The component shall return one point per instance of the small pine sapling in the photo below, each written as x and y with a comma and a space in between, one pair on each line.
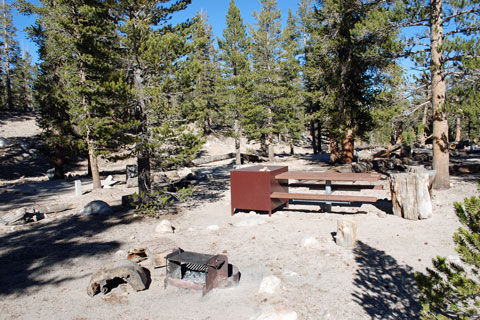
451, 290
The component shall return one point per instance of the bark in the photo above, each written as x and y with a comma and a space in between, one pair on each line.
458, 133
314, 139
238, 155
440, 125
411, 196
263, 145
97, 184
59, 161
347, 147
271, 154
319, 138
292, 150
333, 149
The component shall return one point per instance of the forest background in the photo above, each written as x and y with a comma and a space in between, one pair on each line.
122, 78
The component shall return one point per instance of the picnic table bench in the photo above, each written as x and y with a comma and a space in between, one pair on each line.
266, 188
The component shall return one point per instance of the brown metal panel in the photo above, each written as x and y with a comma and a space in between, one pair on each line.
251, 188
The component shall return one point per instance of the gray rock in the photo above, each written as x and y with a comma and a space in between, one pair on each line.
96, 207
4, 142
15, 217
51, 173
129, 271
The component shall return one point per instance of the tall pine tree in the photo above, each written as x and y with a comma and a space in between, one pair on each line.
236, 85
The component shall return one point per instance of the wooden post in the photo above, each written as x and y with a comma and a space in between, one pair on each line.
410, 195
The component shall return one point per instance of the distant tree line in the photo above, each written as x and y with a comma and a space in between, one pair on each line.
117, 75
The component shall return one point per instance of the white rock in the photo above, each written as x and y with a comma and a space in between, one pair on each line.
278, 315
250, 222
132, 237
121, 254
269, 285
184, 172
213, 227
310, 242
109, 178
164, 227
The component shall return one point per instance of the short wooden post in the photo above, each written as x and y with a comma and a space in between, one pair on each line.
346, 233
78, 188
410, 195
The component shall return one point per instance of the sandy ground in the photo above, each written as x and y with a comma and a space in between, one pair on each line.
46, 265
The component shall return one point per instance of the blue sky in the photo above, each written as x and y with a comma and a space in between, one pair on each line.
216, 11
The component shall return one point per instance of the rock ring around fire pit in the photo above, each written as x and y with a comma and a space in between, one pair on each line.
198, 271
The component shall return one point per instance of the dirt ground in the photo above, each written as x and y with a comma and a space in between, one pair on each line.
46, 265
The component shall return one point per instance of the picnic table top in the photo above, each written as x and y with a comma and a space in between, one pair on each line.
330, 176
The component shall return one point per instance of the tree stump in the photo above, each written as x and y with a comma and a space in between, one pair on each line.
410, 195
421, 169
346, 233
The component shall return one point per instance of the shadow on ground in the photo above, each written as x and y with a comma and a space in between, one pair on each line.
31, 257
215, 181
385, 289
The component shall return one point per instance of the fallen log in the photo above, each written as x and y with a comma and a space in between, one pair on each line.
387, 152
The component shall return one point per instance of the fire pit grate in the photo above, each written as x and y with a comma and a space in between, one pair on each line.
200, 271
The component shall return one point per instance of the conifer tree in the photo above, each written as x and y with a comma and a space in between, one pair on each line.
447, 37
353, 42
10, 52
154, 52
451, 290
266, 51
290, 116
23, 79
202, 107
236, 86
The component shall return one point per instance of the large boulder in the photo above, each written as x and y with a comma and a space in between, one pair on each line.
96, 207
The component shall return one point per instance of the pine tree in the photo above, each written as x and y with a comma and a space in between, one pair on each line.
24, 76
236, 86
266, 51
353, 43
154, 52
447, 37
202, 107
451, 290
10, 53
289, 121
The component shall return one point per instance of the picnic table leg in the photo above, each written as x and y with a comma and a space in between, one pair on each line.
328, 190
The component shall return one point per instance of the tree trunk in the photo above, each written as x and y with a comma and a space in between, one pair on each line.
97, 184
347, 147
144, 182
238, 155
410, 195
333, 149
292, 150
59, 161
441, 156
263, 145
319, 138
271, 155
458, 133
423, 135
312, 133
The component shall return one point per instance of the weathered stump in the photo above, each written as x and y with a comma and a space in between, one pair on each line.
421, 169
346, 233
410, 195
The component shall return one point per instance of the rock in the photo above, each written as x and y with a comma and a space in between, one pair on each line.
164, 227
310, 242
381, 214
15, 217
96, 207
185, 172
51, 173
278, 313
269, 285
4, 142
213, 227
104, 279
250, 222
121, 254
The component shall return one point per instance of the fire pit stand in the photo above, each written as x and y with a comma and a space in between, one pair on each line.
200, 271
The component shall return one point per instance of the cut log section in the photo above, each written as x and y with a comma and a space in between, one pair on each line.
410, 195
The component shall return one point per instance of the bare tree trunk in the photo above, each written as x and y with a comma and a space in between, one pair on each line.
312, 133
292, 150
319, 138
238, 155
263, 145
59, 161
97, 184
423, 135
333, 149
441, 157
143, 154
271, 154
347, 147
458, 133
